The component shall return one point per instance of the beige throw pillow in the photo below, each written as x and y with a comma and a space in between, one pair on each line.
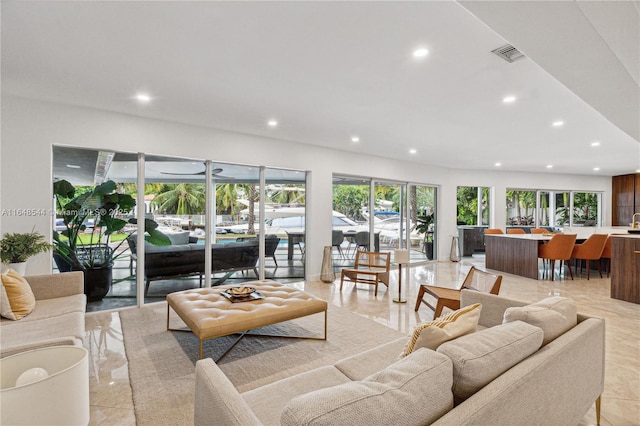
16, 298
554, 315
432, 334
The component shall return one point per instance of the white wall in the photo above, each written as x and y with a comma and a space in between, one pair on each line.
30, 128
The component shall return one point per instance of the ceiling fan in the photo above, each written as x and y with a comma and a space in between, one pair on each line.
214, 173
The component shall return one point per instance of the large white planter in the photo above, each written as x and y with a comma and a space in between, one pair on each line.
20, 268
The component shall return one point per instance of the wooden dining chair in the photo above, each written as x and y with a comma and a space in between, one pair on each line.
476, 279
370, 268
518, 231
493, 231
590, 250
559, 247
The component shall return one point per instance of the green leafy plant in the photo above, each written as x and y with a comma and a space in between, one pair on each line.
16, 248
424, 226
105, 209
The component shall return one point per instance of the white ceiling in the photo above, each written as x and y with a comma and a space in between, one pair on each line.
330, 70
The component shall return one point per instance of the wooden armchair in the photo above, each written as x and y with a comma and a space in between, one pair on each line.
476, 279
370, 268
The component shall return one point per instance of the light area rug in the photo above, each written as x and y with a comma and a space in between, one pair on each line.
162, 363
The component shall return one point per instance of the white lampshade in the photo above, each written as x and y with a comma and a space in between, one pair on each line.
55, 389
401, 256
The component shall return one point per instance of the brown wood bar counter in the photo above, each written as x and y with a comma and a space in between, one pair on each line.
625, 268
514, 253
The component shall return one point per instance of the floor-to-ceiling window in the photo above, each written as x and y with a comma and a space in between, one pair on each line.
176, 198
350, 218
285, 223
387, 221
424, 218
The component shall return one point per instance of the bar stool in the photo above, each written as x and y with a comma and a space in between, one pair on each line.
590, 250
606, 254
559, 247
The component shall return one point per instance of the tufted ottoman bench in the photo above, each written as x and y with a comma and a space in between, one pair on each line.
208, 314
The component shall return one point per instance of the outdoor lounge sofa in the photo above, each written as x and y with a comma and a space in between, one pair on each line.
554, 385
58, 318
187, 258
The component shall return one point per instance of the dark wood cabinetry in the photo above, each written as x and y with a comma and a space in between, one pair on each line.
471, 239
625, 268
625, 198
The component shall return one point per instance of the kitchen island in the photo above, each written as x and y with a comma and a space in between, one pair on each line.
514, 253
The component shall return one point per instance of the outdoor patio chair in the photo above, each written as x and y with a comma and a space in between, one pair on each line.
476, 279
370, 268
337, 238
362, 240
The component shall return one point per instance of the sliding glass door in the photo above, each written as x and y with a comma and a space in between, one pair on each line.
237, 203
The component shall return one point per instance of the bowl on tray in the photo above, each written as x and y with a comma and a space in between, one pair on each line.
240, 291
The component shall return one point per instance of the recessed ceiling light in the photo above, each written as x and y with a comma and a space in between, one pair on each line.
420, 52
595, 169
412, 151
549, 166
558, 123
73, 166
355, 139
272, 123
143, 98
498, 164
596, 143
509, 99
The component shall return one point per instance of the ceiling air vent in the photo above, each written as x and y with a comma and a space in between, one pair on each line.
508, 53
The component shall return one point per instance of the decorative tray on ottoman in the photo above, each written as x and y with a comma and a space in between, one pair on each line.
241, 294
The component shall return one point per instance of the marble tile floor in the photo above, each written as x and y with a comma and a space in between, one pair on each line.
111, 401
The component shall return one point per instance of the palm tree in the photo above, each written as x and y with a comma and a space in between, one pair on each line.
413, 200
251, 230
226, 196
182, 199
290, 194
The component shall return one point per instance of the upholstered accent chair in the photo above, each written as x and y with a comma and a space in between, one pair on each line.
539, 231
559, 247
590, 250
493, 231
370, 268
606, 255
516, 231
476, 279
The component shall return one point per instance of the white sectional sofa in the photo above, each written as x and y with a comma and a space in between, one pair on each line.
554, 385
58, 318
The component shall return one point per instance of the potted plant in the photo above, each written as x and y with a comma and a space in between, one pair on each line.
16, 248
425, 226
104, 209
